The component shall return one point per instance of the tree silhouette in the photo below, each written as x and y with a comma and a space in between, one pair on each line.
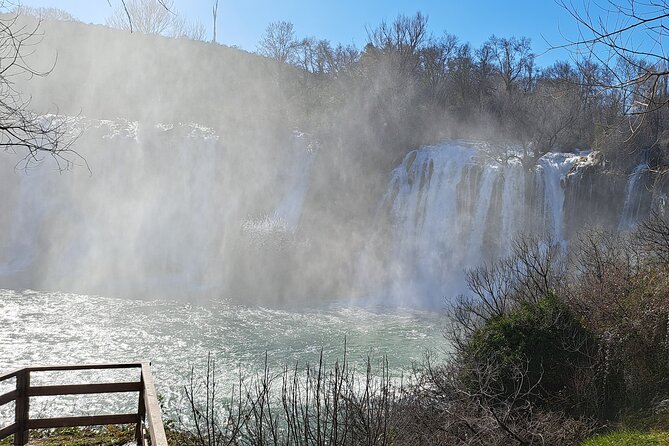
627, 38
22, 131
278, 42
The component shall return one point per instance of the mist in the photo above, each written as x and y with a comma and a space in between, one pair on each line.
201, 171
470, 243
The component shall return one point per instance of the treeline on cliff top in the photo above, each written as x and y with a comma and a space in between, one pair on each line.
406, 87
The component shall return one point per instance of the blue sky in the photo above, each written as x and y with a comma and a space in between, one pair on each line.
242, 22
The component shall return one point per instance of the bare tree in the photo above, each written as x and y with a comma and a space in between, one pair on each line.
279, 42
321, 404
182, 28
214, 12
555, 111
628, 38
653, 234
44, 13
23, 132
464, 404
154, 17
403, 38
144, 16
436, 59
534, 269
513, 59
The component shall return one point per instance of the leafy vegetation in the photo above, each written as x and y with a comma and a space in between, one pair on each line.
546, 337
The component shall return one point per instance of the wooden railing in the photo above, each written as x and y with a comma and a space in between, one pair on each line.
148, 418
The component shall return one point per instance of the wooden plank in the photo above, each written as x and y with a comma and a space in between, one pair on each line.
56, 368
96, 420
85, 389
149, 407
154, 417
141, 412
22, 408
7, 431
10, 374
8, 397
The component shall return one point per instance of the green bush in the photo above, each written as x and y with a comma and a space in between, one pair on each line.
537, 346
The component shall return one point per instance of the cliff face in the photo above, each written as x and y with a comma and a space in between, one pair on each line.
595, 197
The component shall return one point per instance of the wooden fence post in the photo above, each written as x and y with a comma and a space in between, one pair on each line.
154, 416
141, 413
147, 420
22, 408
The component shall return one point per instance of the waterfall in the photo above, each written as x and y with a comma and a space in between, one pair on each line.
296, 183
553, 168
276, 229
632, 204
453, 209
513, 203
167, 210
151, 214
480, 221
21, 246
171, 210
423, 201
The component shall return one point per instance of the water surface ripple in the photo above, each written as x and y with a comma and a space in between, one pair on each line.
63, 328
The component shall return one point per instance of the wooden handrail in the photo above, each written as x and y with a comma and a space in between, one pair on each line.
83, 389
148, 416
153, 413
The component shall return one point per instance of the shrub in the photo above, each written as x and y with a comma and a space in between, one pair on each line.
621, 294
543, 340
333, 404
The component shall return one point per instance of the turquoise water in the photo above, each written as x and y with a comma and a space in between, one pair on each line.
62, 328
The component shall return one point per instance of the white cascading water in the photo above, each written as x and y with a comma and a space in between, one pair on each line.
142, 219
553, 169
476, 236
296, 183
514, 181
423, 196
452, 210
20, 248
157, 214
632, 204
130, 220
276, 228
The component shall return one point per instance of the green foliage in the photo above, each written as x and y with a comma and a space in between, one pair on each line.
630, 438
543, 340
